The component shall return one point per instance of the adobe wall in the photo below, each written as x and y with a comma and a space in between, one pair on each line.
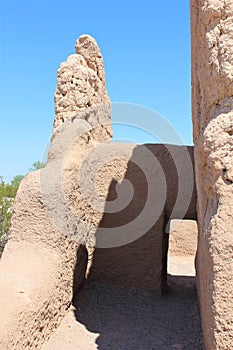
42, 266
55, 215
115, 197
120, 199
212, 91
142, 260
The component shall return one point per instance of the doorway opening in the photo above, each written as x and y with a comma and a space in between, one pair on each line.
183, 235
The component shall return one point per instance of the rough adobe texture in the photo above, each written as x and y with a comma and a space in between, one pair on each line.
42, 267
212, 84
54, 214
55, 210
183, 238
81, 81
36, 272
141, 262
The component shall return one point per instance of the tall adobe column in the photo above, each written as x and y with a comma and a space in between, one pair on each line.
82, 104
43, 265
212, 98
80, 82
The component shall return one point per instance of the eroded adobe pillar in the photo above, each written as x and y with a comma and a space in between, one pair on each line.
212, 95
43, 264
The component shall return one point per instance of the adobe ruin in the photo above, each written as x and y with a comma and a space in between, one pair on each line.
54, 221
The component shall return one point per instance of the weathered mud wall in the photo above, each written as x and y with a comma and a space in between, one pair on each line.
36, 272
212, 91
115, 197
41, 261
140, 223
183, 238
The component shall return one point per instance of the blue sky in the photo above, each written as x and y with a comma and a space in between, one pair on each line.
146, 50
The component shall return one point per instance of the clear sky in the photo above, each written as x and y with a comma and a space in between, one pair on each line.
146, 50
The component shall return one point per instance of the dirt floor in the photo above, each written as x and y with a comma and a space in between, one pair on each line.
107, 317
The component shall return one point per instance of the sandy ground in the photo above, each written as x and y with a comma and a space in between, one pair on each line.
113, 318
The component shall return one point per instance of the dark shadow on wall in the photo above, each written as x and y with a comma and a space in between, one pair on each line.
134, 318
153, 171
80, 268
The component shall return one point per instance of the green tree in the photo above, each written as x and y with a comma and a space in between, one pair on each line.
12, 188
36, 166
5, 215
7, 195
